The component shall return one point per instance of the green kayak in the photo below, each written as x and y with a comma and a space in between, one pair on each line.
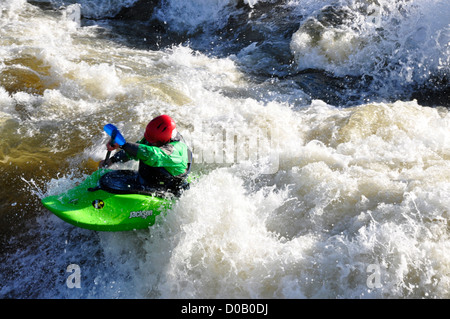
110, 200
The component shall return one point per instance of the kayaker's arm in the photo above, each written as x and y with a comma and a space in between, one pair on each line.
131, 149
120, 156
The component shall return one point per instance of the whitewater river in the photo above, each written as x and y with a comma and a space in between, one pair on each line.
320, 132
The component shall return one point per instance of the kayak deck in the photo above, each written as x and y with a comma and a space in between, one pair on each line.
86, 206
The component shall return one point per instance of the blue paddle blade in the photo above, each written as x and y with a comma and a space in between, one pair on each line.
114, 132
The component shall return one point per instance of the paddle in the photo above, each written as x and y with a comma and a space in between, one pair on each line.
116, 137
113, 137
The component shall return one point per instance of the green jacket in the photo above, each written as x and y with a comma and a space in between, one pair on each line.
174, 156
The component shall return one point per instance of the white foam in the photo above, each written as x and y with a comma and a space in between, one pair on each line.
96, 9
354, 189
397, 42
190, 16
6, 105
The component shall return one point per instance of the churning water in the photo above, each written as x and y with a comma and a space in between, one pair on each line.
320, 131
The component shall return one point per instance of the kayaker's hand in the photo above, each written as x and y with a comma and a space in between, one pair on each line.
110, 147
103, 164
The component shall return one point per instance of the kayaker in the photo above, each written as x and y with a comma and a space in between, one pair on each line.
164, 158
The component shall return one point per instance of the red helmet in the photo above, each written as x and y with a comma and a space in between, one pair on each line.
160, 130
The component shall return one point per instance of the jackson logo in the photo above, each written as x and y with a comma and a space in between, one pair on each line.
144, 214
98, 203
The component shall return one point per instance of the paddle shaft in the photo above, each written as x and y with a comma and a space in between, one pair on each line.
113, 136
